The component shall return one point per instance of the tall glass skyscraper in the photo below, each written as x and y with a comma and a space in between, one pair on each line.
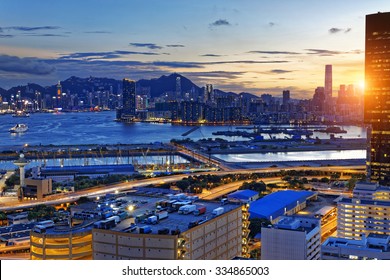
128, 98
377, 96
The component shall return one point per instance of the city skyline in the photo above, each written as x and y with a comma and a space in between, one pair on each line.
248, 46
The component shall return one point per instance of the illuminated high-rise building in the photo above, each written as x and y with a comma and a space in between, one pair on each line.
328, 81
208, 93
129, 104
286, 98
328, 89
377, 96
178, 87
59, 89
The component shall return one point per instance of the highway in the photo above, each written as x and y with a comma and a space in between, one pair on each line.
102, 190
231, 187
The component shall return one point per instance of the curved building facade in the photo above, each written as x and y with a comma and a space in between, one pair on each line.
57, 244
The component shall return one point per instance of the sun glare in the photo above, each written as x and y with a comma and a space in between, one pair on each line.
361, 84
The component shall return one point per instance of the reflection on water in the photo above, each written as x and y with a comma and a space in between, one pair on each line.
293, 156
163, 160
100, 128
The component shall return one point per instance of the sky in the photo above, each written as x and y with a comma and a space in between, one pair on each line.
256, 46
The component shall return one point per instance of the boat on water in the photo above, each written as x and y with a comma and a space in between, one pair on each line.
21, 114
331, 129
19, 128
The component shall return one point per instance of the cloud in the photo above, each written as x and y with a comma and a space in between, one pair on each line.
220, 22
273, 52
27, 28
132, 52
175, 46
244, 62
211, 55
279, 71
215, 74
104, 59
103, 55
24, 65
271, 24
322, 52
146, 45
45, 35
98, 32
177, 64
335, 30
181, 64
6, 36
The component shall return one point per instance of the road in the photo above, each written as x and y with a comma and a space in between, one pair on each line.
228, 188
101, 190
328, 228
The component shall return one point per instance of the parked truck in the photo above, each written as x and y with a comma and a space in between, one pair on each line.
200, 210
145, 229
152, 220
117, 219
187, 209
162, 215
218, 211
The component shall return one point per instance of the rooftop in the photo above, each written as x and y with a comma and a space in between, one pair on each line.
380, 243
274, 204
364, 201
243, 194
89, 168
297, 223
15, 231
145, 205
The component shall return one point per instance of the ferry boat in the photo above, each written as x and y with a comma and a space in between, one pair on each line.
21, 114
19, 128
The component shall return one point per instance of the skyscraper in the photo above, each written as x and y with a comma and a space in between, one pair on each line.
328, 81
178, 87
208, 93
286, 98
377, 96
59, 89
329, 106
128, 97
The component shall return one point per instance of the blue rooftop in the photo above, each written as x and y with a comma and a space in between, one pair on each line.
274, 203
113, 168
243, 194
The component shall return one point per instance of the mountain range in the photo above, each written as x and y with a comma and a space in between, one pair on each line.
81, 86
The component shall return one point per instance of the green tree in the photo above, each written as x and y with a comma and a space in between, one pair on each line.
256, 224
12, 180
351, 183
324, 180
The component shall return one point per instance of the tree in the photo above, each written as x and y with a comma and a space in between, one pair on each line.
335, 176
183, 184
351, 183
254, 186
256, 224
12, 180
41, 212
324, 180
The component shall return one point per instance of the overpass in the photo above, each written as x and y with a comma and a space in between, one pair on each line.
120, 187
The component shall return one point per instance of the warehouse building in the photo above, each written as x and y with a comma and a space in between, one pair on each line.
243, 196
286, 202
175, 227
69, 173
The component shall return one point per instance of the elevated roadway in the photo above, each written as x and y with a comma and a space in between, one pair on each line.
120, 187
